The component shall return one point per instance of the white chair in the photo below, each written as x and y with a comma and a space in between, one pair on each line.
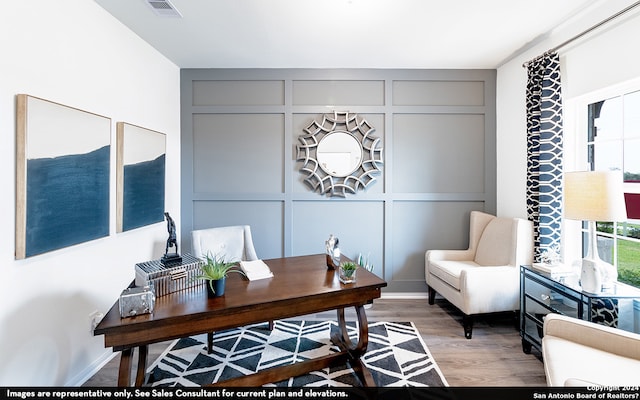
232, 243
485, 277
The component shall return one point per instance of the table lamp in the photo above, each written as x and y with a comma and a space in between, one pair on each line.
595, 196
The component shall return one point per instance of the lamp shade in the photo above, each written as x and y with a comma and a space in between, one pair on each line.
594, 196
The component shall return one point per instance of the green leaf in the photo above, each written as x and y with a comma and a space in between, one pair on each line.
215, 268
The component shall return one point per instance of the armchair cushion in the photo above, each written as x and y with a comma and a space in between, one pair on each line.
495, 245
450, 271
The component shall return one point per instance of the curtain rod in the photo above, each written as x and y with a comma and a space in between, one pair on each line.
581, 34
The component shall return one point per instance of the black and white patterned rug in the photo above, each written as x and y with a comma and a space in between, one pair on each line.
396, 355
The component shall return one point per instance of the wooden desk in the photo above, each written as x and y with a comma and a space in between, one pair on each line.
301, 285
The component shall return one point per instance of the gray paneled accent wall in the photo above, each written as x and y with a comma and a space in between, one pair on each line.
240, 128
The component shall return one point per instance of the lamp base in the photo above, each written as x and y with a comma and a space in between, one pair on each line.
597, 275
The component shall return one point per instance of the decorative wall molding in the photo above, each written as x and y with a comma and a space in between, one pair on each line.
241, 158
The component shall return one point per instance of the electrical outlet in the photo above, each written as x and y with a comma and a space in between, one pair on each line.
95, 318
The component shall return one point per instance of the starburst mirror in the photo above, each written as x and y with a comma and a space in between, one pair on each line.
339, 154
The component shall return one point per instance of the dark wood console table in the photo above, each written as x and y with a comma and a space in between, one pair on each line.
301, 285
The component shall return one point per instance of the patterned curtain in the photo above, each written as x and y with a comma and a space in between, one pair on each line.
544, 152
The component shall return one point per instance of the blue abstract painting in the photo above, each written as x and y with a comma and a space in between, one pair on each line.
67, 201
63, 176
143, 193
141, 176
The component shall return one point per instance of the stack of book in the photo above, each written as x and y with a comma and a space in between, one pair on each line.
554, 271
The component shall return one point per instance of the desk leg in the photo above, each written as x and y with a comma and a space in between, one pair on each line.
355, 352
124, 373
142, 365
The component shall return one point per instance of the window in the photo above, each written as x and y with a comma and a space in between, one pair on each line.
613, 142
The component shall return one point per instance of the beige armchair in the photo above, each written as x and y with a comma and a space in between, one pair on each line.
485, 277
582, 353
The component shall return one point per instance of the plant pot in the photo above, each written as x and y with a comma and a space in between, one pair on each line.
218, 287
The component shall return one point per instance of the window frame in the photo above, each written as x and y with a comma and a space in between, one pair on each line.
585, 155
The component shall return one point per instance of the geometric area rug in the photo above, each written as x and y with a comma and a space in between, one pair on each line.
396, 356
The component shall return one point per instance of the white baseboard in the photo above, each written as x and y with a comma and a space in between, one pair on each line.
405, 296
91, 370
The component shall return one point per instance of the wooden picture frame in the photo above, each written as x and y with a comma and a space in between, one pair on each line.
62, 176
140, 176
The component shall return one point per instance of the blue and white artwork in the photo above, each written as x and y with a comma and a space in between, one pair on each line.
63, 176
141, 176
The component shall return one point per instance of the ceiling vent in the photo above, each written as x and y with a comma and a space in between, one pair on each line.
163, 8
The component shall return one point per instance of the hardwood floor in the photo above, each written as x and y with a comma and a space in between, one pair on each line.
493, 357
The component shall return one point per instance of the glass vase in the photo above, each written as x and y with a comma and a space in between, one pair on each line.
347, 275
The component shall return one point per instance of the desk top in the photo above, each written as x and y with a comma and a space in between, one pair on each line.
300, 285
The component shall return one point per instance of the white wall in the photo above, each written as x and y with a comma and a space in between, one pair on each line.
74, 53
602, 58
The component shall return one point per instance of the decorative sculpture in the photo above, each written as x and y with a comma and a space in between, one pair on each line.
333, 252
171, 258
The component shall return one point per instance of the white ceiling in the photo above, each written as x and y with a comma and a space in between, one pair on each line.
426, 34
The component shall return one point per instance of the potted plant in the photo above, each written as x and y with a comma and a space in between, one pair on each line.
348, 272
215, 271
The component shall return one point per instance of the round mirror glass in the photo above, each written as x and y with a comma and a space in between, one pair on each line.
339, 153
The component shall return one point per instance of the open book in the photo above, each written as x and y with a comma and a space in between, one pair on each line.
256, 270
